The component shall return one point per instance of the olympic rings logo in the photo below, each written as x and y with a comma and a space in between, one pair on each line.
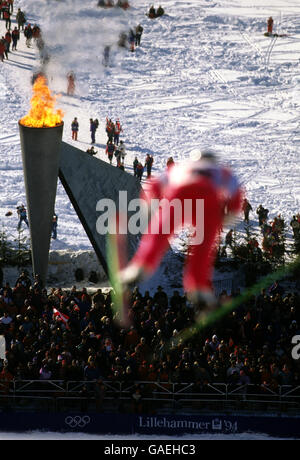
77, 421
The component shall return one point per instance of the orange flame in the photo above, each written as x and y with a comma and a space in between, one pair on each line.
42, 113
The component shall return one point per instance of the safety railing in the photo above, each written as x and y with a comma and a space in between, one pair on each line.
167, 394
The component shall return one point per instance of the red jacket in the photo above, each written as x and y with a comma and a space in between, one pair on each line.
118, 128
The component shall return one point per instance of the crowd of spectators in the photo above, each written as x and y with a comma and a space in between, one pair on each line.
72, 335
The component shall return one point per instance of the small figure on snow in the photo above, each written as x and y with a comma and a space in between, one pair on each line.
122, 151
270, 25
75, 129
138, 34
262, 215
117, 131
22, 213
246, 208
15, 35
160, 11
139, 171
152, 12
54, 226
110, 148
135, 163
71, 83
93, 128
148, 164
92, 151
229, 239
110, 129
170, 162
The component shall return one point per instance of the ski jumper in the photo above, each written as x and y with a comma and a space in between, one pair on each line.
221, 195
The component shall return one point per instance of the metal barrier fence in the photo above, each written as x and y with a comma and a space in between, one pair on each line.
57, 395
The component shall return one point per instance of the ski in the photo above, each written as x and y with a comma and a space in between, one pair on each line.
117, 260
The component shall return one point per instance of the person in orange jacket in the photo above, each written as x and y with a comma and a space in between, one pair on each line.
117, 131
110, 129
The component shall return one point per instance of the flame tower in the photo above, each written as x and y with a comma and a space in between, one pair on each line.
41, 157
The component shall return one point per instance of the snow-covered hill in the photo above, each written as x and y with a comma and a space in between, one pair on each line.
204, 74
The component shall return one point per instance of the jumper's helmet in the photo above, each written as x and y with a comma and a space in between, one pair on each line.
203, 154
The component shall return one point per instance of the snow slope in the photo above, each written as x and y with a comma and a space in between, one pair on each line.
204, 74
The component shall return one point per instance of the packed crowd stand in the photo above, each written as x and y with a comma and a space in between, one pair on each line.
74, 336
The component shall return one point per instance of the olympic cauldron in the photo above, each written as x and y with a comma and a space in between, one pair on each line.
41, 136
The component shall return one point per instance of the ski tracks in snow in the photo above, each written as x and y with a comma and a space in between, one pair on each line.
198, 78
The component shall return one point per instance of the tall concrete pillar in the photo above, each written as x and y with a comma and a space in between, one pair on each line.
41, 158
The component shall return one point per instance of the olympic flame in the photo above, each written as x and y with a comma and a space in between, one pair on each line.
42, 113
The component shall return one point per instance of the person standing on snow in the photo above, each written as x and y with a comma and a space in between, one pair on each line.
15, 36
118, 154
148, 164
93, 129
110, 129
170, 162
71, 83
28, 35
160, 11
106, 53
54, 226
110, 148
139, 171
135, 163
2, 50
138, 34
117, 132
75, 129
5, 47
8, 39
11, 5
122, 149
21, 19
270, 25
22, 213
229, 239
204, 183
246, 208
152, 12
262, 215
6, 17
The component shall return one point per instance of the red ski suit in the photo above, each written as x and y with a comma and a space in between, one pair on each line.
221, 194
